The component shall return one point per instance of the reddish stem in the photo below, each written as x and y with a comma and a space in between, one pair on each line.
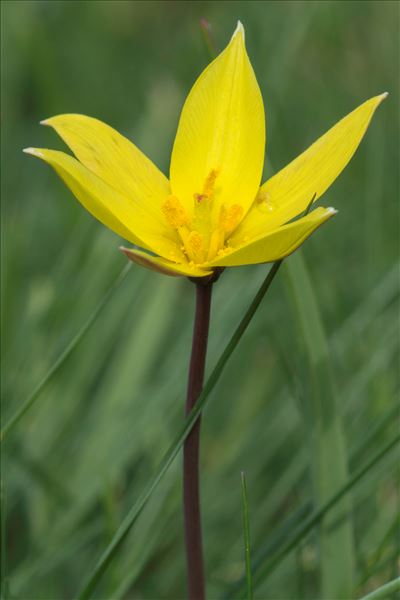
191, 495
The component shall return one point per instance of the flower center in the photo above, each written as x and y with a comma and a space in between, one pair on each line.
205, 235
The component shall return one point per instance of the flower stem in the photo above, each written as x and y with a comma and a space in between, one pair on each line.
191, 495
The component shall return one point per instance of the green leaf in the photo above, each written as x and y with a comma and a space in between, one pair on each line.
325, 432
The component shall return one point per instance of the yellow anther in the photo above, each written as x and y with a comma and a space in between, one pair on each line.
208, 189
195, 242
230, 218
174, 212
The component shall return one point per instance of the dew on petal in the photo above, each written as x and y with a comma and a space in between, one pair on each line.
264, 202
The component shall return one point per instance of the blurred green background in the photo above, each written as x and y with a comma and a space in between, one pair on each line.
77, 461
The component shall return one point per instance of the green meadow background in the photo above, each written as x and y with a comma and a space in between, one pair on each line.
310, 395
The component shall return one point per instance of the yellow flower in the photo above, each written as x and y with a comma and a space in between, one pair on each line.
212, 211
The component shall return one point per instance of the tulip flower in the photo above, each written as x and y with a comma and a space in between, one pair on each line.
211, 213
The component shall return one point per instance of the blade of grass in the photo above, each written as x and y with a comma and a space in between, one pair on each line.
316, 517
63, 356
384, 591
327, 448
279, 537
382, 295
327, 451
246, 535
173, 450
374, 560
376, 430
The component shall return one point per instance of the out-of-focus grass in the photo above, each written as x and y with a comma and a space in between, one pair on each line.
86, 449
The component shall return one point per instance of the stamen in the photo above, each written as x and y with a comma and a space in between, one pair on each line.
205, 234
230, 218
216, 242
195, 241
174, 212
193, 245
209, 184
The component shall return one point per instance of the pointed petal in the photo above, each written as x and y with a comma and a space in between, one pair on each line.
106, 204
155, 263
116, 160
221, 131
287, 194
277, 244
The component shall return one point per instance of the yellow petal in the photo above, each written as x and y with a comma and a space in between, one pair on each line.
115, 159
221, 133
154, 263
107, 204
277, 244
288, 193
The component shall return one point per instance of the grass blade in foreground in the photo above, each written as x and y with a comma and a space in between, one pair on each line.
63, 356
246, 533
282, 534
384, 591
327, 451
304, 528
177, 444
